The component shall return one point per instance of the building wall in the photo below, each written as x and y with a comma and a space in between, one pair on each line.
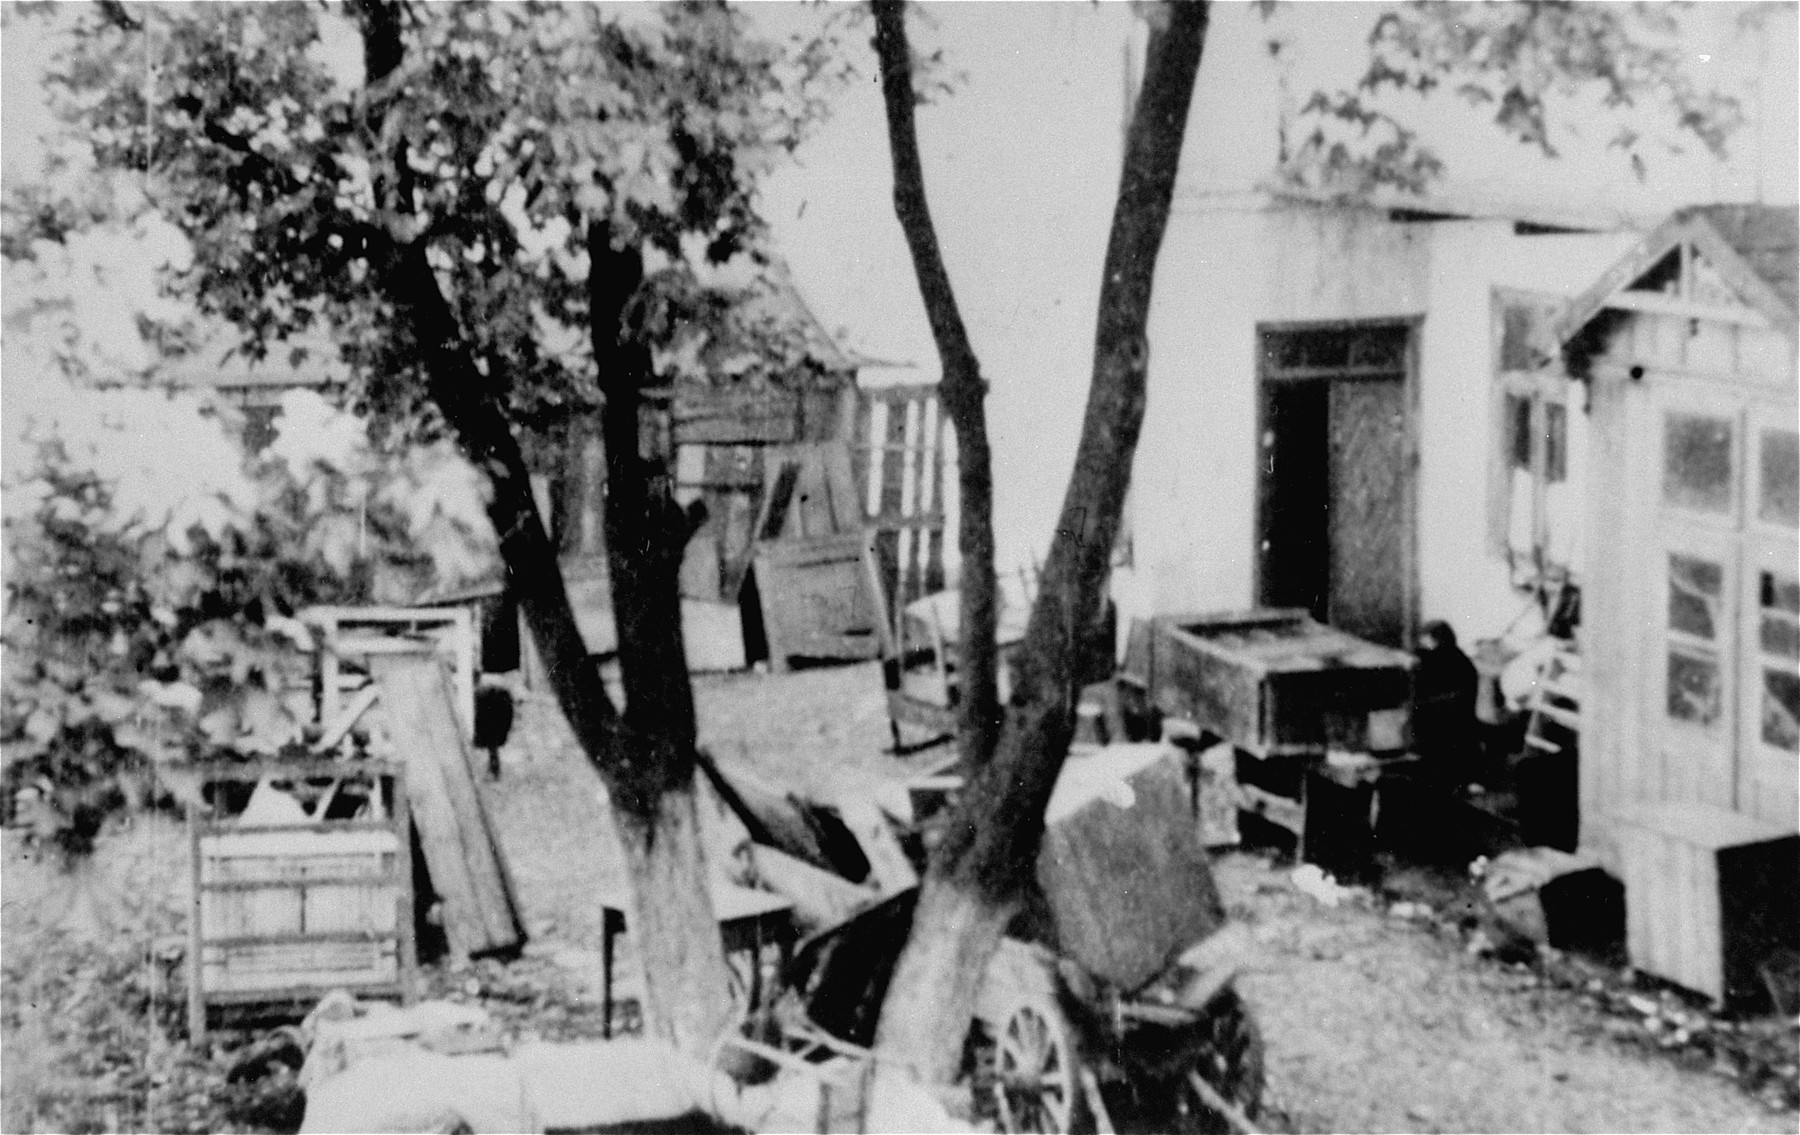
1231, 266
1630, 755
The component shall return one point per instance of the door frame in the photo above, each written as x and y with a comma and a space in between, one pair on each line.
1409, 474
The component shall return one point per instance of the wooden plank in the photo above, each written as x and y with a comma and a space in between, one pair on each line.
840, 488
196, 987
816, 600
346, 720
464, 861
814, 512
405, 908
735, 417
305, 883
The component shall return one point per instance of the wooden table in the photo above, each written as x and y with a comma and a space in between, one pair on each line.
749, 922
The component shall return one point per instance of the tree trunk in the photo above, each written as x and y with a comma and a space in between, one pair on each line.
653, 784
964, 394
645, 758
980, 871
686, 984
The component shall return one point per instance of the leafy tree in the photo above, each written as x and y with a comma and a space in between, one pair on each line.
1523, 58
511, 217
150, 588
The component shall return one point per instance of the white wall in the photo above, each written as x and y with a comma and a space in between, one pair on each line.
1460, 578
1224, 270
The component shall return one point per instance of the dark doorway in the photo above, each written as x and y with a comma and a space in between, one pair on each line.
1335, 525
1296, 545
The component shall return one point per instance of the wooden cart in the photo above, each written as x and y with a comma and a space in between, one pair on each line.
1112, 993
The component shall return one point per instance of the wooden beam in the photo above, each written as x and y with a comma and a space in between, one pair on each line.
1654, 303
465, 862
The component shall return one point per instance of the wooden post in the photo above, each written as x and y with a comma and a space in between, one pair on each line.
328, 669
196, 989
406, 901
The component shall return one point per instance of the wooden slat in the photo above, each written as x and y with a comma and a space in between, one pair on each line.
893, 521
312, 768
734, 417
382, 879
210, 828
346, 720
464, 861
302, 938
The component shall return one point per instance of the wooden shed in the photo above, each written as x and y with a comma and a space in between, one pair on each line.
1691, 622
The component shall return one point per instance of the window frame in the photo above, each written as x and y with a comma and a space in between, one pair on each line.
1542, 387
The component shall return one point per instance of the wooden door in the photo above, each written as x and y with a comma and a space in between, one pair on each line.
1690, 658
1335, 508
1369, 510
1722, 649
1768, 751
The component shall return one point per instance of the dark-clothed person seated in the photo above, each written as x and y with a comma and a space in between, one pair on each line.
1443, 717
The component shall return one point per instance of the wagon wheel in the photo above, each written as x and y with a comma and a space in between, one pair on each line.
1035, 1071
1230, 1059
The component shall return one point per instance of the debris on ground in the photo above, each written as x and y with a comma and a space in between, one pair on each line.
1310, 880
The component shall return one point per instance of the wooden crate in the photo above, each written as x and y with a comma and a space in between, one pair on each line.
1709, 896
1276, 683
287, 910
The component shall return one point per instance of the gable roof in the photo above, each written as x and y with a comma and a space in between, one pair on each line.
1767, 237
1754, 248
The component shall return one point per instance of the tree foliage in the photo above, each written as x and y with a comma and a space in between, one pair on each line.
502, 133
506, 217
150, 588
1524, 65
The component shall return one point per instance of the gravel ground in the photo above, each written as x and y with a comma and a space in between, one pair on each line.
1378, 1024
1372, 1022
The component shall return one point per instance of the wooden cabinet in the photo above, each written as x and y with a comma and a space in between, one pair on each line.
1276, 683
1709, 894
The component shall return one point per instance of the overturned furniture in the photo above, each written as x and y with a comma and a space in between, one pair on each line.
1112, 992
1318, 716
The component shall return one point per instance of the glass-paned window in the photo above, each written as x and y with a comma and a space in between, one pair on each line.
1778, 502
1695, 587
1693, 687
1778, 604
1515, 338
1781, 709
1697, 462
1518, 419
1556, 443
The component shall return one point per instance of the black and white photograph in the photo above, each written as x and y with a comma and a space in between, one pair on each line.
794, 566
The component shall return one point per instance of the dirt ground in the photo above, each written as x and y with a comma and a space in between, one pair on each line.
1373, 1022
1380, 1024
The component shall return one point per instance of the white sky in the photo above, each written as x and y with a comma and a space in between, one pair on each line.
1021, 164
